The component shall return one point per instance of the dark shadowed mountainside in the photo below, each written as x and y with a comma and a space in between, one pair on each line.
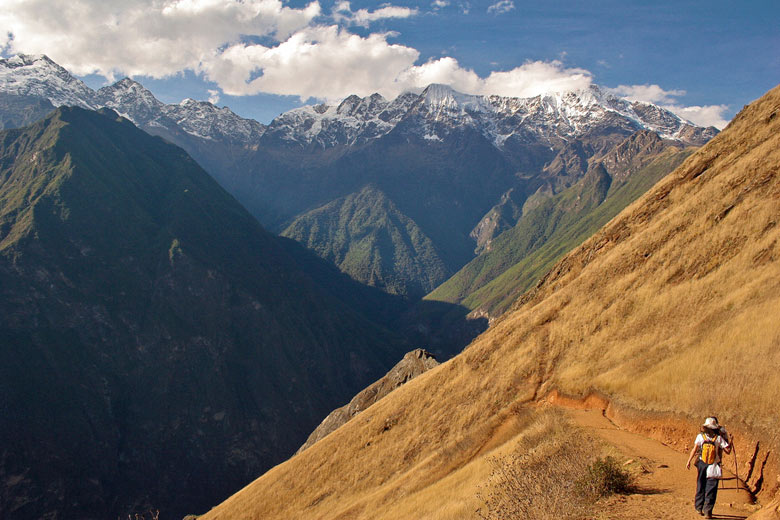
17, 111
158, 348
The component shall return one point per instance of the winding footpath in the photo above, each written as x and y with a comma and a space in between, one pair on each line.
666, 488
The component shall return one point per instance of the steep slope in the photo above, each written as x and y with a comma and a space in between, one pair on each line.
501, 217
158, 348
670, 308
368, 238
553, 226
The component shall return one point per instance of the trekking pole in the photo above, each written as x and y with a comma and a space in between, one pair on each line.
736, 467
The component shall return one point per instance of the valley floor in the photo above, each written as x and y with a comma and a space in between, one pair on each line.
666, 488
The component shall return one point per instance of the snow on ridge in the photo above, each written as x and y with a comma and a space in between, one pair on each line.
37, 75
354, 119
208, 121
432, 112
440, 109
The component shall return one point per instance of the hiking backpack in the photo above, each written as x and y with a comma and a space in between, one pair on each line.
709, 450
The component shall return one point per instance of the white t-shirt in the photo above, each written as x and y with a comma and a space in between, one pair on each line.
720, 442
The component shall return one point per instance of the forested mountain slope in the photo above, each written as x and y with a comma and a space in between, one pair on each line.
158, 348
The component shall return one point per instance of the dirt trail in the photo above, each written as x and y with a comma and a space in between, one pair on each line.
666, 487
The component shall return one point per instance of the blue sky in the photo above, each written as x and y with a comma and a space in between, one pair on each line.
705, 60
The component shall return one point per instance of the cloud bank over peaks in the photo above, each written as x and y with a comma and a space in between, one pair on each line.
331, 63
247, 47
528, 80
709, 115
323, 62
142, 37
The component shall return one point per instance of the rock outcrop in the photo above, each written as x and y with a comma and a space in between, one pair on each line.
412, 365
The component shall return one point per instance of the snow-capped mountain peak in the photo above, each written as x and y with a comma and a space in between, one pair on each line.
131, 99
443, 96
440, 110
37, 75
203, 119
31, 60
352, 121
364, 108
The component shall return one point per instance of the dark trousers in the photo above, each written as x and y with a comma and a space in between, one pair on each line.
706, 489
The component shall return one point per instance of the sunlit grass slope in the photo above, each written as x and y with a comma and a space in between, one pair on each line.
672, 306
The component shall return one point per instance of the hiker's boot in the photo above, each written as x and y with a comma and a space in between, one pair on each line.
708, 514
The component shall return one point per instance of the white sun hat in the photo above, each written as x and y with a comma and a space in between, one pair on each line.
711, 423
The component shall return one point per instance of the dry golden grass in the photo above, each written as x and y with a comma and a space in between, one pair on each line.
673, 306
545, 476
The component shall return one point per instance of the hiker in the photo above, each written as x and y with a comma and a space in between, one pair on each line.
709, 443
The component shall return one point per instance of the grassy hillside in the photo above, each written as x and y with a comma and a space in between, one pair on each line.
150, 326
368, 238
519, 257
670, 308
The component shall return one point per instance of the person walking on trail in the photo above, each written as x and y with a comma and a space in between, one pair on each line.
709, 444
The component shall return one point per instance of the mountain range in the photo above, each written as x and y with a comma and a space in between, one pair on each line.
205, 348
457, 161
666, 314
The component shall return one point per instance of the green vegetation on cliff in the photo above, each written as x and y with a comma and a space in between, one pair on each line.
367, 237
519, 257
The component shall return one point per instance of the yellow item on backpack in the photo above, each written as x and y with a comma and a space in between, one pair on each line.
709, 450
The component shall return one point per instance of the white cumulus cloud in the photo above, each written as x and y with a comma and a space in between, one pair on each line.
320, 62
647, 93
342, 12
709, 115
528, 80
501, 7
141, 37
331, 63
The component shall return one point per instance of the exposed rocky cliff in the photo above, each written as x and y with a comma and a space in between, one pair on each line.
412, 365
